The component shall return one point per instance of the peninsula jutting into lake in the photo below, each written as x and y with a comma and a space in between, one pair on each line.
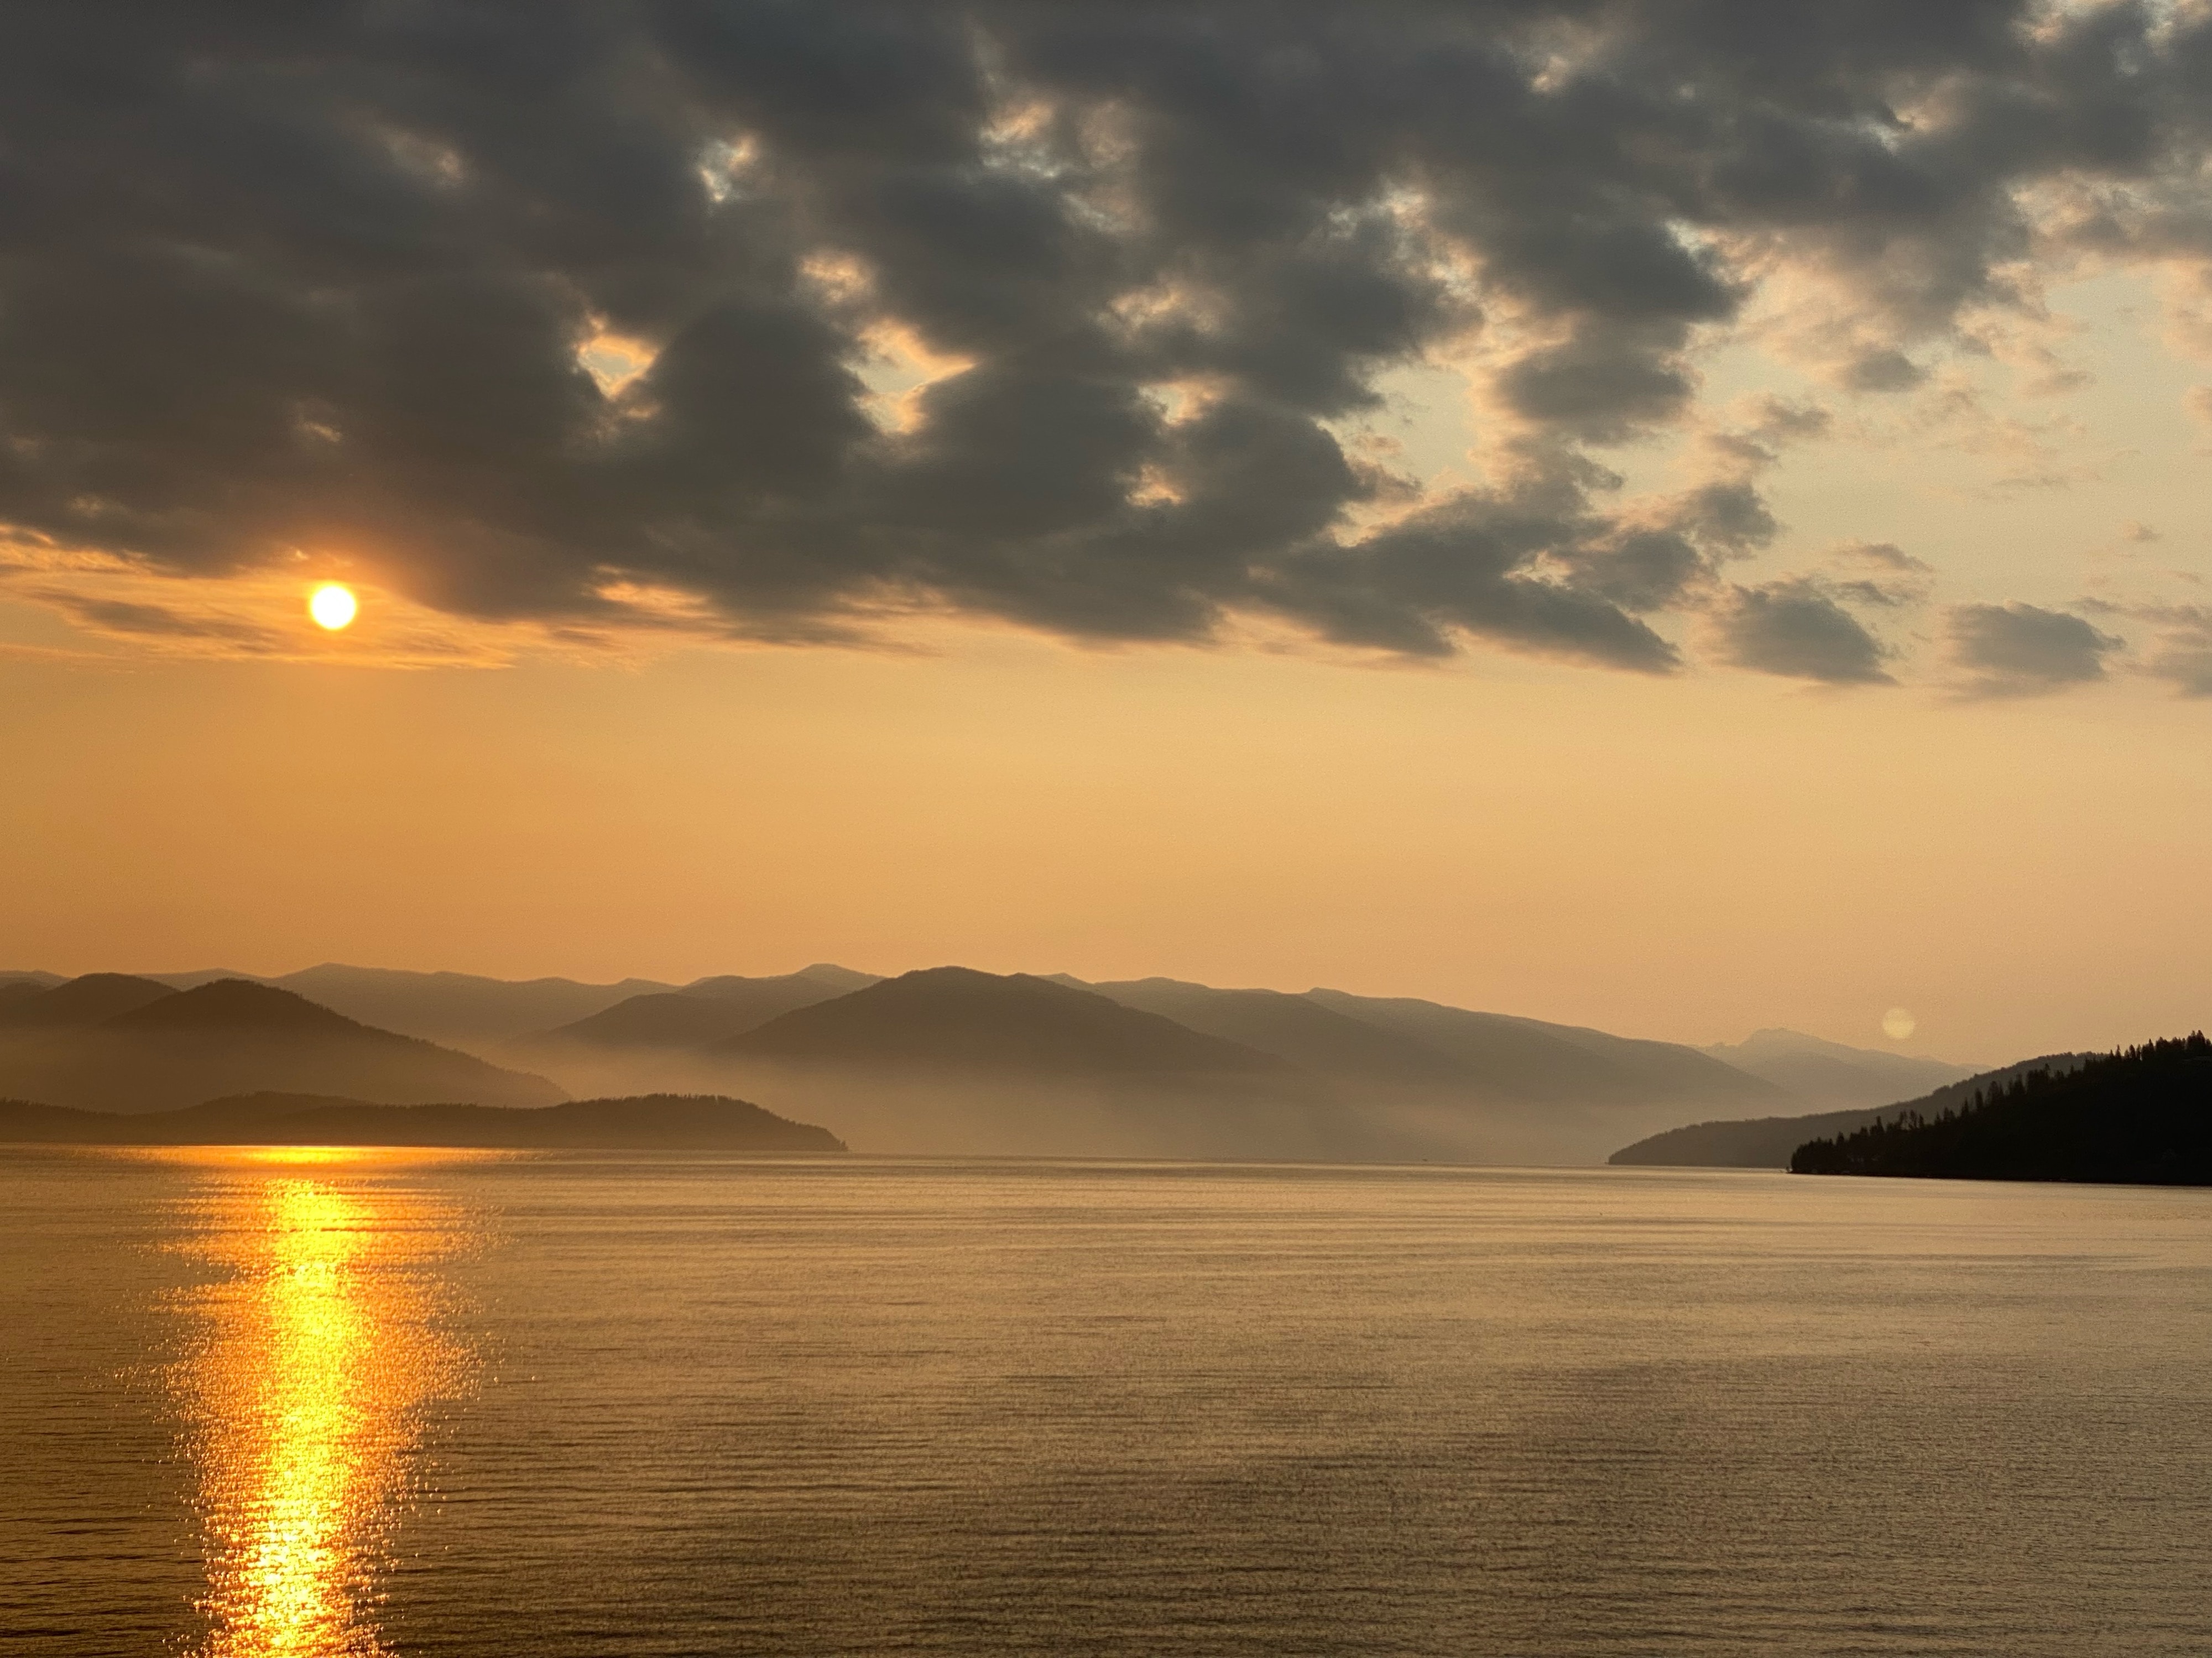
2142, 1116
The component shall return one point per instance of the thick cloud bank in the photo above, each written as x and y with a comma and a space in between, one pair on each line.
776, 318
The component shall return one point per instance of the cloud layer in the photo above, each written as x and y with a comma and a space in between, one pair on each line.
792, 316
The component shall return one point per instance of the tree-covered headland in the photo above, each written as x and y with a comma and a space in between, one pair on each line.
2142, 1117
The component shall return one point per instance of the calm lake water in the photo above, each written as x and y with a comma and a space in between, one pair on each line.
306, 1403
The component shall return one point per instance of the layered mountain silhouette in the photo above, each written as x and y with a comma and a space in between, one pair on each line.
79, 1002
2142, 1116
1833, 1076
112, 1042
954, 1059
1324, 1073
651, 1122
1768, 1142
455, 1009
1531, 1060
958, 1019
704, 1012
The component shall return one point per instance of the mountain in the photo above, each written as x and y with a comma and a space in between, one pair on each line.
652, 1122
707, 1011
1832, 1076
109, 1042
2142, 1116
1768, 1142
80, 1002
1533, 1060
461, 1008
835, 979
1296, 1028
957, 1019
951, 1060
481, 1014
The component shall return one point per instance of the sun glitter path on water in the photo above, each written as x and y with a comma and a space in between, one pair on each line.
321, 1356
332, 607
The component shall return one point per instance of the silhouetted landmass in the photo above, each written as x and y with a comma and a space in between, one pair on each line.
837, 980
110, 1042
700, 1015
82, 1002
2142, 1116
1833, 1076
1747, 1143
1563, 1064
1294, 1028
957, 1019
1768, 1142
450, 1008
946, 1059
478, 1013
646, 1122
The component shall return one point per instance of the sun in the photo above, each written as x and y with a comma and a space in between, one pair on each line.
1899, 1023
332, 607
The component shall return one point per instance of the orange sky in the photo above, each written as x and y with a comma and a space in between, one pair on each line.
1687, 858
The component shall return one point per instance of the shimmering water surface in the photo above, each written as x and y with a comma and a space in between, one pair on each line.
306, 1403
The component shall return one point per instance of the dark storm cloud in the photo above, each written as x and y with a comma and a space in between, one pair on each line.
1796, 630
2020, 649
324, 277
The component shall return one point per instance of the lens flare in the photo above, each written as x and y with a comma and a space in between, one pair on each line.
332, 607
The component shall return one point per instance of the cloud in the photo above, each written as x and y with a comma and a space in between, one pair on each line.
1795, 629
2183, 657
2184, 661
129, 619
1879, 574
342, 279
2020, 649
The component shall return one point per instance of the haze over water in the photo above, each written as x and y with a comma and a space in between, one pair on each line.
359, 1402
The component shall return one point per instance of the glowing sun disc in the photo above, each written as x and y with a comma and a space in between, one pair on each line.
332, 607
1899, 1023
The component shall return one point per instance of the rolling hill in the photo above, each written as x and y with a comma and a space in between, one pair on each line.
110, 1042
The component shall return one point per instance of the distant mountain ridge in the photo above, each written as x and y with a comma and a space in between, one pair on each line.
449, 1008
706, 1011
110, 1042
1054, 1064
959, 1018
1834, 1076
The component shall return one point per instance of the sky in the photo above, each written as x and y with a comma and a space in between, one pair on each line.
1676, 515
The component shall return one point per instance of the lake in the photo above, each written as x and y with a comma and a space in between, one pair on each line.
364, 1401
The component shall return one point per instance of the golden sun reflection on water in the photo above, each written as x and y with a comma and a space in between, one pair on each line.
322, 1344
